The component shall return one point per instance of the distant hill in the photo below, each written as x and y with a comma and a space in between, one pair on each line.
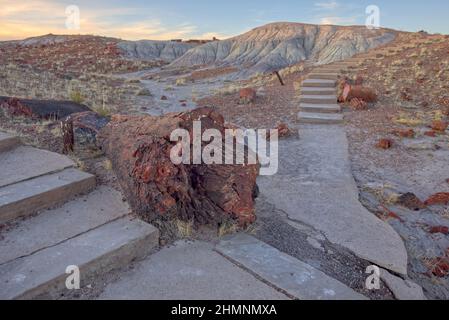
154, 50
267, 48
278, 45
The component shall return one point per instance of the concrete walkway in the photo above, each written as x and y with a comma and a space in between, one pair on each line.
315, 186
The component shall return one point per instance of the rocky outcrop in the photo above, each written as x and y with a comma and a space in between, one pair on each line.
154, 50
278, 45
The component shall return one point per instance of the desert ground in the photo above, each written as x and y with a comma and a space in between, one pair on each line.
371, 188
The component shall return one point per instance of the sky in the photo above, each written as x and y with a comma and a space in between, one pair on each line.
204, 19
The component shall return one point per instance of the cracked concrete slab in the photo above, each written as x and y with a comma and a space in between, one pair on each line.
402, 289
291, 275
314, 185
189, 271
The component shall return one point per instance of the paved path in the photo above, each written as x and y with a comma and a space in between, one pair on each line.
315, 183
315, 186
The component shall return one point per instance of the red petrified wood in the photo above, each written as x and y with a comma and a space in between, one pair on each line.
139, 148
247, 95
441, 198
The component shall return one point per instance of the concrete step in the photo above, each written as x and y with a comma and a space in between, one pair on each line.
318, 99
319, 83
111, 246
350, 62
24, 163
7, 142
318, 91
54, 226
320, 118
30, 196
320, 108
329, 69
284, 272
328, 76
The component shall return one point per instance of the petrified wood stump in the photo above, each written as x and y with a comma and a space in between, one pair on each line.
139, 148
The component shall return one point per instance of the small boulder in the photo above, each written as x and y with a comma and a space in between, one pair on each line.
410, 201
384, 144
247, 95
439, 125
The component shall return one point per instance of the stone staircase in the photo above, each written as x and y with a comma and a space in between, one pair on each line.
53, 216
318, 100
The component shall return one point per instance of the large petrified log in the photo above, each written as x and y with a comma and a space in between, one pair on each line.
40, 109
139, 148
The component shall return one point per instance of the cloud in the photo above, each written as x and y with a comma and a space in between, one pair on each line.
38, 17
331, 5
338, 20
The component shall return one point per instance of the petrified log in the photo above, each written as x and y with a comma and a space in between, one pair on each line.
139, 148
41, 109
363, 93
82, 128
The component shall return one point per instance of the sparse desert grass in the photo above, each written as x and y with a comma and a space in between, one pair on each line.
290, 70
144, 92
132, 80
228, 90
184, 228
409, 121
445, 213
103, 111
81, 164
76, 97
227, 227
107, 164
181, 81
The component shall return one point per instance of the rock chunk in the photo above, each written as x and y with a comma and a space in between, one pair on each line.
247, 95
411, 201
